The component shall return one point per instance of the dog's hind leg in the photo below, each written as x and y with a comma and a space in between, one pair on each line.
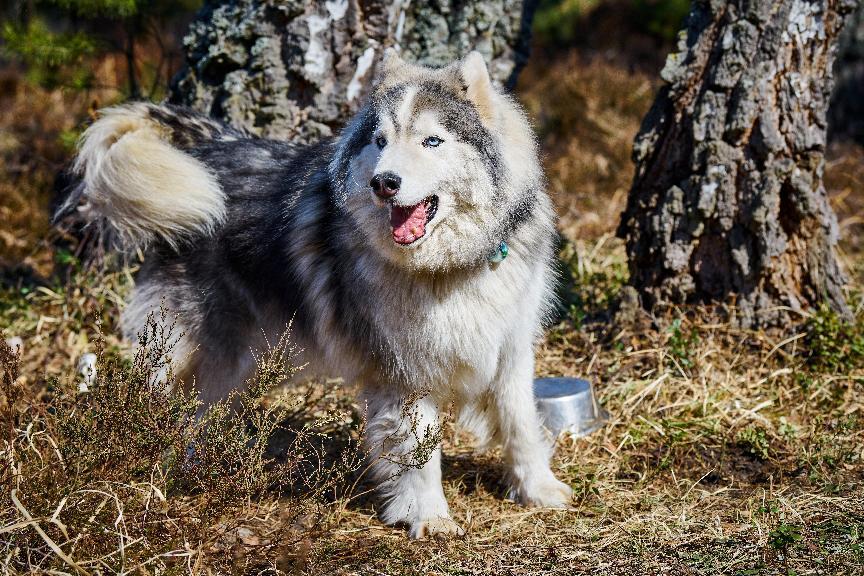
518, 426
216, 372
223, 359
210, 352
404, 449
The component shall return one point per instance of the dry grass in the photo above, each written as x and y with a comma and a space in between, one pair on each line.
728, 452
131, 475
31, 151
38, 129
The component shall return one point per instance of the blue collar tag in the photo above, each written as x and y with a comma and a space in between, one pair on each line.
500, 254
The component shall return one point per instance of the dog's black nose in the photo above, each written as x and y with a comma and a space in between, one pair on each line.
386, 184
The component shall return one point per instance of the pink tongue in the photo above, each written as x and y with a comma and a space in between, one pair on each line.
408, 222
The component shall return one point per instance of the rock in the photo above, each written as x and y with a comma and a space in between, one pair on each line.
16, 344
87, 370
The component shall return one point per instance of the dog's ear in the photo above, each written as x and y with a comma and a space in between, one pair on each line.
392, 70
478, 85
391, 63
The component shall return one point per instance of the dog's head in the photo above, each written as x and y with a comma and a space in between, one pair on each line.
438, 167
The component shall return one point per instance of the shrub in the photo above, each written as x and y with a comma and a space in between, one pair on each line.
834, 344
134, 475
681, 345
754, 440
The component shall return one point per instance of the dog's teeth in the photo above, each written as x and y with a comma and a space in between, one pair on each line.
414, 231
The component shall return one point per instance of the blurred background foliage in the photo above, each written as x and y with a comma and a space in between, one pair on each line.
560, 21
60, 60
60, 43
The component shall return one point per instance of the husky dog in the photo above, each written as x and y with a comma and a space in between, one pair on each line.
384, 245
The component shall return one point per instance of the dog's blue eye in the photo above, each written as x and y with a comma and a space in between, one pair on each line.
381, 141
432, 142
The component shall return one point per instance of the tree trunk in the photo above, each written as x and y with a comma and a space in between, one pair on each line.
727, 204
297, 69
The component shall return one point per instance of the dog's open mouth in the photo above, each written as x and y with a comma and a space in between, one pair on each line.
409, 222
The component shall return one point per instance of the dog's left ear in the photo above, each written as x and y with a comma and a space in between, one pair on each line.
478, 85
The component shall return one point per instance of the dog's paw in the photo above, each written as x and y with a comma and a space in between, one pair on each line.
546, 493
435, 528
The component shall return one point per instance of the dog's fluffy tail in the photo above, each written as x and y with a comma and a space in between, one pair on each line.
136, 172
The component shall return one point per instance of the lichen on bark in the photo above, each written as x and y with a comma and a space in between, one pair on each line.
297, 69
727, 204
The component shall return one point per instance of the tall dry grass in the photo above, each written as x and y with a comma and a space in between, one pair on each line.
128, 473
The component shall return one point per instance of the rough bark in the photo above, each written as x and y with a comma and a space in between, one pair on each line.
297, 69
727, 204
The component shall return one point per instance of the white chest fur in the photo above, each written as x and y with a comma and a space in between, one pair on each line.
450, 330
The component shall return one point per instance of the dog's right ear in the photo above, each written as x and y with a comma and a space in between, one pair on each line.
478, 84
391, 63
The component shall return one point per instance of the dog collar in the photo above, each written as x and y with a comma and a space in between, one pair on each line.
500, 254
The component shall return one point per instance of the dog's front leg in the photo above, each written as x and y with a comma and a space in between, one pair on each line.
404, 448
532, 482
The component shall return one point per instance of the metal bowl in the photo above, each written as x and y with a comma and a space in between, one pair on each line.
568, 405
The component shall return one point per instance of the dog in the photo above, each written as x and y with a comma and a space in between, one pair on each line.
414, 254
